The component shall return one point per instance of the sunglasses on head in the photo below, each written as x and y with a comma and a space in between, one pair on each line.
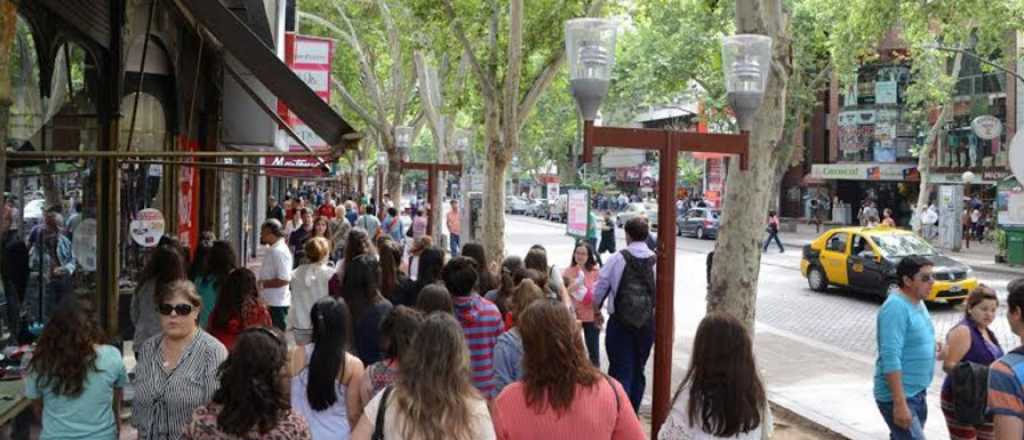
179, 309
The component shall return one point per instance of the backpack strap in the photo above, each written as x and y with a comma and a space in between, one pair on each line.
378, 427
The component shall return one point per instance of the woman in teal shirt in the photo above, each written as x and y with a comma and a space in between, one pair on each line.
74, 382
220, 261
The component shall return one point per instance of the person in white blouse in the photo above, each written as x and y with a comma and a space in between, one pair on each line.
309, 284
723, 378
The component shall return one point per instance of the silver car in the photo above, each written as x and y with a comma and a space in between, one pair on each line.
638, 209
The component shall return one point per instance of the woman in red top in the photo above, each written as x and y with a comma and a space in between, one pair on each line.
561, 395
238, 308
582, 276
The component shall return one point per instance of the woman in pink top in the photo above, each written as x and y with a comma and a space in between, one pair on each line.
582, 276
561, 395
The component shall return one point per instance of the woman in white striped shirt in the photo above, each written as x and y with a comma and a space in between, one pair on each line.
177, 369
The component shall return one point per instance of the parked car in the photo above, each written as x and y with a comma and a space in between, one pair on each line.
515, 205
638, 209
699, 222
544, 209
534, 207
864, 260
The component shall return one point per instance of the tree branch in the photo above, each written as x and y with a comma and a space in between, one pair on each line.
514, 63
395, 49
371, 85
486, 81
359, 109
540, 84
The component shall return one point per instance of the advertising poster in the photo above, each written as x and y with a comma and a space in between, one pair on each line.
148, 227
310, 59
578, 211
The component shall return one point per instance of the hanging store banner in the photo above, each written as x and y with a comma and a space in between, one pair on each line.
885, 92
310, 59
578, 211
865, 171
188, 200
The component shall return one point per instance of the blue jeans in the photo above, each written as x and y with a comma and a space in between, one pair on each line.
454, 243
591, 337
628, 349
918, 414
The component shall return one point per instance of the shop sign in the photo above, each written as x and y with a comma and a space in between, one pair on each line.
957, 178
552, 190
865, 171
83, 245
1010, 206
885, 92
310, 59
578, 201
987, 127
148, 227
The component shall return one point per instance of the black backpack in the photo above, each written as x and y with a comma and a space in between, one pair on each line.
634, 301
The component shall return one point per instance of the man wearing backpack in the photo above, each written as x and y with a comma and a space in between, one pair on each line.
627, 283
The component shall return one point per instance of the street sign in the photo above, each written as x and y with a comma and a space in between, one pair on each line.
577, 211
148, 227
987, 127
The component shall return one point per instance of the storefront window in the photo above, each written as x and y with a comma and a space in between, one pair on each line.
53, 245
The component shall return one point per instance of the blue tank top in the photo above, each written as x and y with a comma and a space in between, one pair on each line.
331, 423
982, 352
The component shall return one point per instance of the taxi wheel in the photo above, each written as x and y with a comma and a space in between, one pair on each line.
816, 279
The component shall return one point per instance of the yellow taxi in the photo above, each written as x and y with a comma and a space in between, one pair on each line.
864, 260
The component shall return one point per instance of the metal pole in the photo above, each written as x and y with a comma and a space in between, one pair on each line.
664, 316
142, 72
432, 200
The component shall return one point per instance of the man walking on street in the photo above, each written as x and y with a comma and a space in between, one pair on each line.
1006, 375
276, 272
275, 211
907, 351
369, 222
627, 282
454, 228
592, 234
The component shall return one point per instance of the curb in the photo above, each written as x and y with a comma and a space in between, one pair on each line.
780, 411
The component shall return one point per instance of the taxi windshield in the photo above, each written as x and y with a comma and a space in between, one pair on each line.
902, 245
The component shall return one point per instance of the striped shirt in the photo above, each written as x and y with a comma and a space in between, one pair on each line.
1005, 393
164, 400
481, 324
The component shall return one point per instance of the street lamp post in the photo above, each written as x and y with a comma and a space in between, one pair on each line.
590, 47
382, 164
403, 140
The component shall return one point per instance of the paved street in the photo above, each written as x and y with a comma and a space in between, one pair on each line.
803, 324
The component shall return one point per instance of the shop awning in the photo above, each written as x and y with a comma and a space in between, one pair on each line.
275, 75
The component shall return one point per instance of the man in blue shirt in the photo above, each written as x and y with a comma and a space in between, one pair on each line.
906, 351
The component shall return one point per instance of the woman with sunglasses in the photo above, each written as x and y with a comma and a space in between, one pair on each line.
238, 307
252, 401
177, 368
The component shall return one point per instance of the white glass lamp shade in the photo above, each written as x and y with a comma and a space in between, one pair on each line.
590, 49
746, 60
403, 137
967, 177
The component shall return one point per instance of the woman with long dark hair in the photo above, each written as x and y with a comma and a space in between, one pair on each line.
508, 351
431, 261
397, 331
252, 400
487, 280
358, 243
391, 277
561, 394
721, 395
361, 292
324, 377
220, 260
433, 397
582, 273
164, 267
238, 307
74, 381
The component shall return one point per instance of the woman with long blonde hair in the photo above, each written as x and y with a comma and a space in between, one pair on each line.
433, 397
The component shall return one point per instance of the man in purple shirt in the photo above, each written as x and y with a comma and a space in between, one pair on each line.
628, 346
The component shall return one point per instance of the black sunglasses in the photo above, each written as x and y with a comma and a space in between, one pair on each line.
179, 309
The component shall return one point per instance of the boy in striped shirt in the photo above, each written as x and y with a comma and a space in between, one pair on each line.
480, 319
1006, 375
